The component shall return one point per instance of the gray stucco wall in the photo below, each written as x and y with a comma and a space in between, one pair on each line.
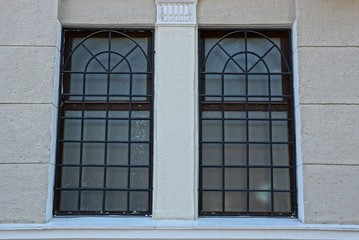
326, 49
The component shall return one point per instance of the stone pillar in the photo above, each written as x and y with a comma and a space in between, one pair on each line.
175, 131
27, 69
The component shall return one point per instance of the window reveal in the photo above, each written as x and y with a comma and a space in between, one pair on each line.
247, 164
104, 149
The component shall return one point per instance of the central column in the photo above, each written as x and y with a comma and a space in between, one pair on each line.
175, 130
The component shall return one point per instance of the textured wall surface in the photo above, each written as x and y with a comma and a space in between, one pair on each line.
327, 47
328, 68
246, 12
175, 123
107, 13
27, 66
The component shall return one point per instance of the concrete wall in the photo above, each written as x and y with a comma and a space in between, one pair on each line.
27, 67
326, 47
246, 13
107, 13
328, 64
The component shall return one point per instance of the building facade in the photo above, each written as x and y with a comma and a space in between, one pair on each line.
274, 82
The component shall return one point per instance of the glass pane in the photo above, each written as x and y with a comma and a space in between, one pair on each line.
140, 130
234, 64
139, 86
279, 115
116, 177
118, 130
211, 154
118, 114
280, 154
235, 130
259, 115
235, 154
235, 114
212, 114
135, 59
94, 130
120, 85
261, 46
95, 84
140, 114
139, 201
279, 131
71, 153
282, 202
281, 179
116, 201
258, 85
221, 52
258, 131
260, 202
211, 178
259, 154
257, 65
72, 127
70, 177
118, 62
211, 130
211, 201
234, 85
91, 200
83, 56
235, 178
75, 85
68, 201
236, 201
93, 153
92, 177
117, 153
213, 86
260, 179
140, 154
276, 87
139, 178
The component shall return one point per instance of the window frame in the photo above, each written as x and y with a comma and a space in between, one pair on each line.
287, 105
65, 104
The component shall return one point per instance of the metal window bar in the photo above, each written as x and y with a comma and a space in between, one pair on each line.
271, 200
90, 195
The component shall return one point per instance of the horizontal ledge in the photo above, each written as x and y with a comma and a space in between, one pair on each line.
170, 24
28, 45
328, 46
241, 25
204, 228
327, 104
205, 223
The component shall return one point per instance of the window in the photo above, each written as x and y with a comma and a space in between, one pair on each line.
104, 147
247, 159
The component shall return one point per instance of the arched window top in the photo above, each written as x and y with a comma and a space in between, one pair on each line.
244, 51
106, 51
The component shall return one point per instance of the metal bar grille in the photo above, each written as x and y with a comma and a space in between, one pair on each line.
246, 135
104, 147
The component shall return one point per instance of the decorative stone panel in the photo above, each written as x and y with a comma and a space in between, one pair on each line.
176, 12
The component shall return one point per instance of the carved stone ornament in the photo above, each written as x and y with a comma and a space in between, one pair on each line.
176, 12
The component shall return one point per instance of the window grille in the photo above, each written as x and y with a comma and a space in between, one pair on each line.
247, 158
104, 147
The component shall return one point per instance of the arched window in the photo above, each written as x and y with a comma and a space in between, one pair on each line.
104, 148
247, 159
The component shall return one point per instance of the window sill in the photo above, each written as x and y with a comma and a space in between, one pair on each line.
203, 228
